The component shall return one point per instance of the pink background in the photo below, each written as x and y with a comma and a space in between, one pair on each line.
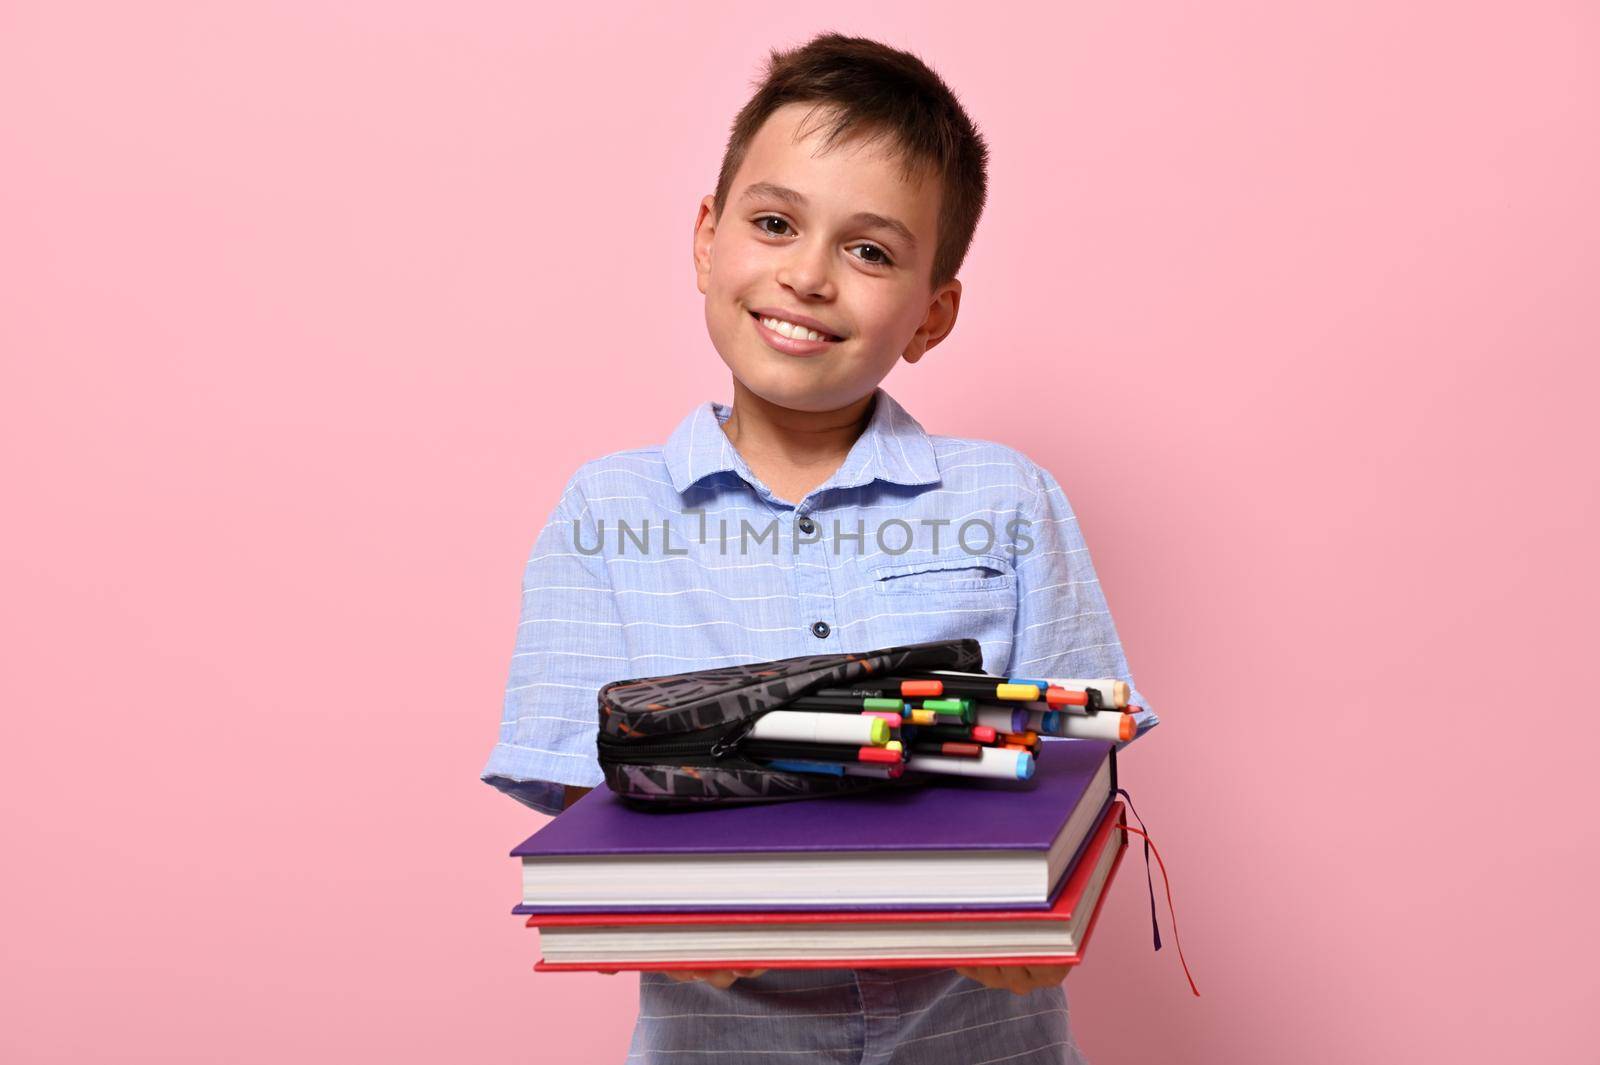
308, 310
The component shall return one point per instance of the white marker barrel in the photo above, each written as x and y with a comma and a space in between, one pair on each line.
1113, 693
991, 762
1105, 725
804, 727
1001, 720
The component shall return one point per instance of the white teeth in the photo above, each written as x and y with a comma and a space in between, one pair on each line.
789, 329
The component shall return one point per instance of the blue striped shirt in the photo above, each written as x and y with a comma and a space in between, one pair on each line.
677, 557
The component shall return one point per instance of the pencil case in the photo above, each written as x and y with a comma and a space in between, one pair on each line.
674, 740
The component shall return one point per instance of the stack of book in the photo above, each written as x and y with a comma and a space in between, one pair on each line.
962, 872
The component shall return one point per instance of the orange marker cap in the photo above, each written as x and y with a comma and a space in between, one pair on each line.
919, 689
1128, 728
1059, 697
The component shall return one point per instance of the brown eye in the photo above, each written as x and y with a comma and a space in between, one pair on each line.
761, 224
884, 261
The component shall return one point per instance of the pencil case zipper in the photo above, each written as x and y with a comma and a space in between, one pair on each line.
712, 749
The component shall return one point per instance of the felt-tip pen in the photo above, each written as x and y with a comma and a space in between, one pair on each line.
805, 727
821, 752
991, 762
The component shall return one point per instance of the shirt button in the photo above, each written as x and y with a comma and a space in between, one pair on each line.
820, 630
807, 526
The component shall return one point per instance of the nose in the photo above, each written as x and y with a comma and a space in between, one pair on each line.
807, 270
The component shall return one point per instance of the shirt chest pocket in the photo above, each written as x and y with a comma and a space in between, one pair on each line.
953, 597
963, 575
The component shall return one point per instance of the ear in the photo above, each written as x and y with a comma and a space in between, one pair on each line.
943, 307
705, 232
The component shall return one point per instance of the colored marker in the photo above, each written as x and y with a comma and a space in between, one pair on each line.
1045, 721
960, 678
1058, 697
1106, 725
988, 687
891, 719
887, 689
835, 769
1041, 706
882, 772
1113, 693
804, 727
819, 702
954, 750
1000, 719
956, 733
991, 762
958, 708
1110, 692
820, 752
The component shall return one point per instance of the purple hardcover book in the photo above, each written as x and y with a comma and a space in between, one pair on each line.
953, 843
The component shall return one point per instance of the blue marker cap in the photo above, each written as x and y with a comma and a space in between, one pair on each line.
1040, 684
1052, 721
1024, 765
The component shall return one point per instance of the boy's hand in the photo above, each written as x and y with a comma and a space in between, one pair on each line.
1017, 979
714, 977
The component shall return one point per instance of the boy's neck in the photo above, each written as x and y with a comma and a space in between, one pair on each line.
793, 451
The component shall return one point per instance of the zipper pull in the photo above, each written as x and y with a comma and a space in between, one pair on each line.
732, 739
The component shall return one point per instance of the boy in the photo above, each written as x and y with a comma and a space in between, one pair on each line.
814, 515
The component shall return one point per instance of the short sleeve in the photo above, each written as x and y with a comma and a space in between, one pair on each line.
1063, 627
569, 642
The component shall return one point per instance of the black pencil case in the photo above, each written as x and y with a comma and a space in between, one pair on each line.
674, 740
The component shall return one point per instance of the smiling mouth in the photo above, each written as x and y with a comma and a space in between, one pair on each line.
796, 333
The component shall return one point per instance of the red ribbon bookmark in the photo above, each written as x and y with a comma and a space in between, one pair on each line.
1155, 929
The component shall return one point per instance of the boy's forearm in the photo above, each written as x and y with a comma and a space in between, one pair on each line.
572, 794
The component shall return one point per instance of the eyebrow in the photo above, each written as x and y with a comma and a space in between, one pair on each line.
790, 196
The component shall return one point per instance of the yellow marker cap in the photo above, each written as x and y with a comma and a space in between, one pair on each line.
880, 731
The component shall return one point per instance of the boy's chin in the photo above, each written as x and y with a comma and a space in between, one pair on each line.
801, 395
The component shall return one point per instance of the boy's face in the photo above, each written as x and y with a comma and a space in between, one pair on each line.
814, 255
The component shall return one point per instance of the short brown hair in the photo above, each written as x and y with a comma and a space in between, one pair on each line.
873, 89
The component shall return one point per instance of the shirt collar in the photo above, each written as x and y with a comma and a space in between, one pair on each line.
893, 447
